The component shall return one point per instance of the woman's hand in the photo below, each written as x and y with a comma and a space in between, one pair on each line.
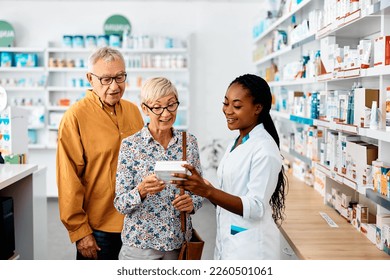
183, 203
193, 183
150, 185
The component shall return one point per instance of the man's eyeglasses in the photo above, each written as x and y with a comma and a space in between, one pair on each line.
159, 110
121, 78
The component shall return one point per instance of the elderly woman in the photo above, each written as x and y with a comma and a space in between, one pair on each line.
152, 226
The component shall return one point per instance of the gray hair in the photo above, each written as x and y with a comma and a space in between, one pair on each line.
105, 53
155, 88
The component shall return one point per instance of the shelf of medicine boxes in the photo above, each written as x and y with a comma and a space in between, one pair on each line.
23, 70
363, 23
358, 24
350, 129
281, 20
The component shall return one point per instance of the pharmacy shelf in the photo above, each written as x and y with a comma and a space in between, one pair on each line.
78, 89
22, 69
378, 198
293, 82
20, 88
340, 178
281, 20
301, 157
123, 50
21, 50
304, 40
357, 25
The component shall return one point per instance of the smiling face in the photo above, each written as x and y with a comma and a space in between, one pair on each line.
109, 94
239, 110
164, 121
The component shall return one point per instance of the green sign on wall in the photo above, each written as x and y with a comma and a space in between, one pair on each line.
116, 24
7, 34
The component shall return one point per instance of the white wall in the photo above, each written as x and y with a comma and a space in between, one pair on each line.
221, 49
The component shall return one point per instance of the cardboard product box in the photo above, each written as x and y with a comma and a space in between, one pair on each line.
164, 169
317, 140
384, 180
381, 220
345, 200
362, 154
361, 215
382, 51
386, 238
327, 52
319, 182
363, 98
376, 175
371, 231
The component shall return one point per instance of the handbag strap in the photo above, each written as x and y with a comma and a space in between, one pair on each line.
184, 158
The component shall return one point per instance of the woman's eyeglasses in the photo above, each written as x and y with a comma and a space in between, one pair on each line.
159, 110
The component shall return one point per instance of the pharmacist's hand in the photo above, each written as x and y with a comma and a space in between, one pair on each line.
88, 247
183, 203
193, 183
150, 185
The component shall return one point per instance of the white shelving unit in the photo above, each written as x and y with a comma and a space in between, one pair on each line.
55, 83
65, 83
365, 24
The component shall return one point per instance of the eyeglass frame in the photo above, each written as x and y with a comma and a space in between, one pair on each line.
112, 78
163, 108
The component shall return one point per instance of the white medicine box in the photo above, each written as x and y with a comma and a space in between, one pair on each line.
164, 169
363, 98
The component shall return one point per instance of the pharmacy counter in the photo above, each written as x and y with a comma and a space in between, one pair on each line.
310, 235
25, 183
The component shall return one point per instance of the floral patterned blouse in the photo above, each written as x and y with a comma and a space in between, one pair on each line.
152, 223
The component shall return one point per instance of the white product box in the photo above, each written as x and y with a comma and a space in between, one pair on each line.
328, 44
164, 169
382, 51
363, 98
371, 231
361, 215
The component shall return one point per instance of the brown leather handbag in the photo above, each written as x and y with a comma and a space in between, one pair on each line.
191, 249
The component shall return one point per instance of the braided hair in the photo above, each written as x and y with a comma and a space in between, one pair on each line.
259, 89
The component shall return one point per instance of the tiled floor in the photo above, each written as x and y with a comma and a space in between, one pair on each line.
60, 248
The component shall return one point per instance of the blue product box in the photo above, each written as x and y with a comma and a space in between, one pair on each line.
102, 41
32, 136
115, 41
26, 60
78, 41
90, 41
67, 41
6, 59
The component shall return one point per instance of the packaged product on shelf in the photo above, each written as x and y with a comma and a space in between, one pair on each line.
114, 41
363, 98
364, 49
67, 41
376, 174
102, 41
90, 41
374, 119
78, 41
382, 51
388, 108
384, 180
361, 215
6, 59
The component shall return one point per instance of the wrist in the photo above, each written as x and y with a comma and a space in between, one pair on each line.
141, 190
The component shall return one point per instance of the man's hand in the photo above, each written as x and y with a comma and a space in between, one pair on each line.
87, 247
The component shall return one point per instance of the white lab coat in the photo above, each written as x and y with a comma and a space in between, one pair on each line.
250, 171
